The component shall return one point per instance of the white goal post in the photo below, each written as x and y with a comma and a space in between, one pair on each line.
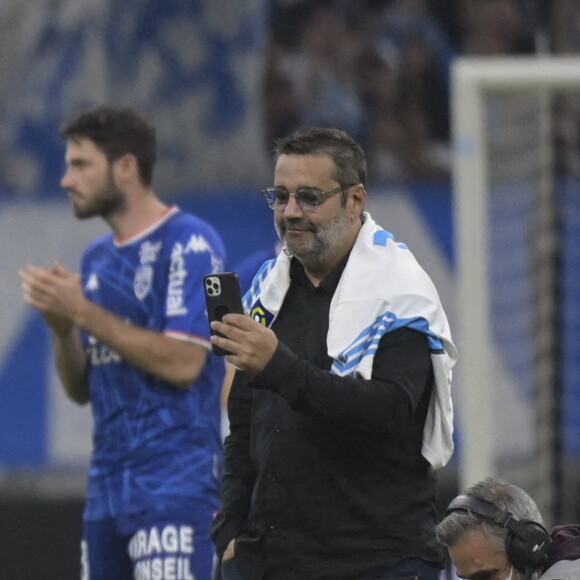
502, 137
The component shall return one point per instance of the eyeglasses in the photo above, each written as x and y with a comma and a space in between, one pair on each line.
308, 198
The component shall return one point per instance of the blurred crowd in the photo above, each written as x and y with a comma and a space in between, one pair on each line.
380, 69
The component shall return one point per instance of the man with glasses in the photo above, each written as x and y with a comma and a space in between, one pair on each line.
494, 531
340, 409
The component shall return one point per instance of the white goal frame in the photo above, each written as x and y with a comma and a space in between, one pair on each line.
471, 78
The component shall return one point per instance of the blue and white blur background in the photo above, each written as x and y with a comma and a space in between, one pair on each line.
221, 80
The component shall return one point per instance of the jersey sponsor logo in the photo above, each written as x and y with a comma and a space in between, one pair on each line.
143, 281
178, 272
99, 354
149, 251
168, 568
177, 276
163, 553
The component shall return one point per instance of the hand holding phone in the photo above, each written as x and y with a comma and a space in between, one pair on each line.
222, 296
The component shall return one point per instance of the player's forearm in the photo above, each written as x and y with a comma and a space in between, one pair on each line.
176, 361
71, 364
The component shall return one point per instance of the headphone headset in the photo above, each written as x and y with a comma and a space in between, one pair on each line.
527, 541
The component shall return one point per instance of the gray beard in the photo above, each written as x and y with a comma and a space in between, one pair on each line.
327, 239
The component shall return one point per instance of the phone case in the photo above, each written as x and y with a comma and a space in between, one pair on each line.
222, 296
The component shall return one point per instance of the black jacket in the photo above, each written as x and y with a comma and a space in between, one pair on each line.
323, 475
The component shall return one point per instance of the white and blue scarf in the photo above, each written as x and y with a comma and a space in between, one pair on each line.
382, 288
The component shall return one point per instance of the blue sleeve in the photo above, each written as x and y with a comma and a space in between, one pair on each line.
192, 254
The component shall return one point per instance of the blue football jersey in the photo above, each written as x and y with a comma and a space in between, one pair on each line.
155, 445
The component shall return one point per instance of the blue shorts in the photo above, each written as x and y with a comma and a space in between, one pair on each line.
169, 549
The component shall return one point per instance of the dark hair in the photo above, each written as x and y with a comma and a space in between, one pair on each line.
347, 155
117, 131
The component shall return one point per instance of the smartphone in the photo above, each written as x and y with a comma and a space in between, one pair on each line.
222, 296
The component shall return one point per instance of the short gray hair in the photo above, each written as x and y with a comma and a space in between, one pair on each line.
504, 495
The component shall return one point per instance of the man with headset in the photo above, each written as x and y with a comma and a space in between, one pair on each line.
494, 531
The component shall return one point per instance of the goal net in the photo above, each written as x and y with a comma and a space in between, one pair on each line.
517, 214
